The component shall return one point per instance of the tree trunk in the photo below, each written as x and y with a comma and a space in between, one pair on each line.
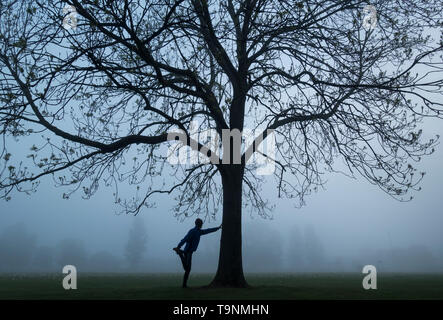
230, 265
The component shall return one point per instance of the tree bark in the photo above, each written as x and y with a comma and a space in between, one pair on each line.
230, 264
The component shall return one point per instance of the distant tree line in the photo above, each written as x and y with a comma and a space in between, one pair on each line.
265, 251
20, 252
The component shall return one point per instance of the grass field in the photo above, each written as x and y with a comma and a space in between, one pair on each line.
263, 286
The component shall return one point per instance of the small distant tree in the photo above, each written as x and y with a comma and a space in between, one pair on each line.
315, 252
16, 247
296, 250
136, 246
263, 248
71, 252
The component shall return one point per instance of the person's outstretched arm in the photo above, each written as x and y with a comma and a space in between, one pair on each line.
209, 230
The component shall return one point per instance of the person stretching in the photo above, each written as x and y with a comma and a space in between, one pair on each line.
191, 239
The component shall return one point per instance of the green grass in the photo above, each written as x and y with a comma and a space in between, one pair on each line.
263, 286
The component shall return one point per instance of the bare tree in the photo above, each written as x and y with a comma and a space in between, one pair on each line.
297, 251
16, 248
136, 246
103, 92
314, 251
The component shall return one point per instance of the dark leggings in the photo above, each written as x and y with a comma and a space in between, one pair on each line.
186, 258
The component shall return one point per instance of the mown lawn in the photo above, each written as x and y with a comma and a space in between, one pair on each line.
263, 286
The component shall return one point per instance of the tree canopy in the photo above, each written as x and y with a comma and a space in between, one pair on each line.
97, 99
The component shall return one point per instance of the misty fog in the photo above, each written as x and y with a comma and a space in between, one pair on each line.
347, 225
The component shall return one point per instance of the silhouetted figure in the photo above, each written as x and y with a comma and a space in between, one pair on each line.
191, 239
